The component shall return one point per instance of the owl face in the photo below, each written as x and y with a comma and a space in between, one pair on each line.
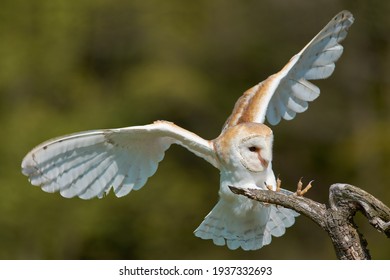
246, 146
254, 153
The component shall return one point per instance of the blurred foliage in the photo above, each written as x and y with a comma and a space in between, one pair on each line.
69, 66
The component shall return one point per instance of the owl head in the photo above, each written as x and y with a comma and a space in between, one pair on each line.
246, 146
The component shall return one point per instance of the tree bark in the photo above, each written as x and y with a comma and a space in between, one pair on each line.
337, 217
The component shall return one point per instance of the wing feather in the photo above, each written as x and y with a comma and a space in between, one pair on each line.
90, 164
303, 90
288, 92
296, 104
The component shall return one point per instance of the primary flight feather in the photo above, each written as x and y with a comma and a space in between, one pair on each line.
92, 163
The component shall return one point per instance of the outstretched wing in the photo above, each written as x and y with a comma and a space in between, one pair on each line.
288, 92
89, 164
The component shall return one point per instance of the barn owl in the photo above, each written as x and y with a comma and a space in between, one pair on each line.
92, 163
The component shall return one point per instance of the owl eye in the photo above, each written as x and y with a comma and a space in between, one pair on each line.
253, 149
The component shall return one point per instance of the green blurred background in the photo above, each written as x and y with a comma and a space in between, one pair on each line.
69, 66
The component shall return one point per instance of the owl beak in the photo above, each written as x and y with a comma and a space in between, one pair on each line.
263, 162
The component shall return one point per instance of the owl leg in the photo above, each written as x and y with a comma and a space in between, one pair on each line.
301, 192
278, 185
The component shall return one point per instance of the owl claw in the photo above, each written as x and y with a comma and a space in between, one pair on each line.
301, 192
278, 184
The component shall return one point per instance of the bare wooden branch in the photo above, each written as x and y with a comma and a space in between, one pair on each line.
310, 208
354, 199
337, 219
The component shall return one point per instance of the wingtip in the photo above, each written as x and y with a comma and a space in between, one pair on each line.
28, 166
345, 15
28, 170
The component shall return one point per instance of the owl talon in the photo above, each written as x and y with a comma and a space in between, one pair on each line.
301, 192
278, 184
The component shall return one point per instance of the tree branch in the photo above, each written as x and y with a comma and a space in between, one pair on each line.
305, 206
354, 199
337, 220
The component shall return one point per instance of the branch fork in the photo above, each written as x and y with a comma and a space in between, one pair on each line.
336, 218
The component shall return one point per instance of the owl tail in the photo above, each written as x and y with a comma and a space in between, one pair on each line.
249, 228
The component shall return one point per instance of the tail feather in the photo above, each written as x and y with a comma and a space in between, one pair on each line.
251, 229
